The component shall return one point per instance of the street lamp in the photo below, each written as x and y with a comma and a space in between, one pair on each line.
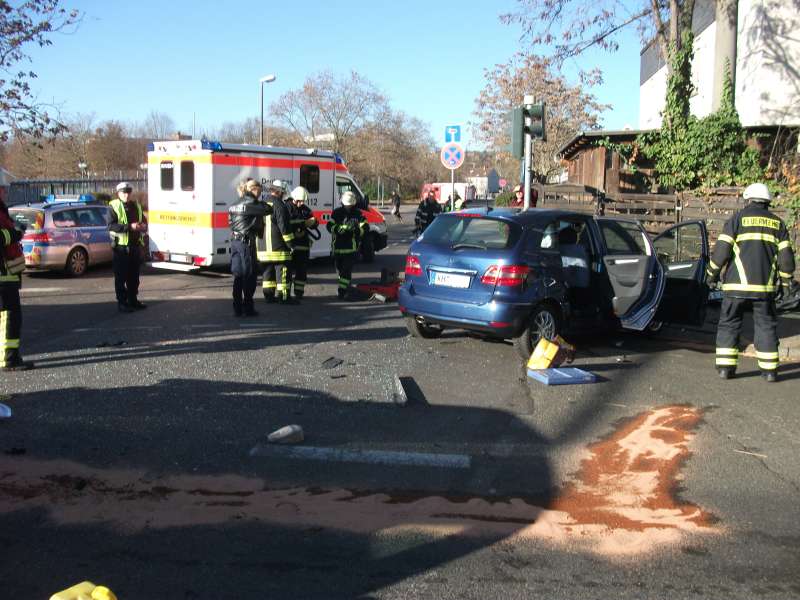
82, 166
261, 82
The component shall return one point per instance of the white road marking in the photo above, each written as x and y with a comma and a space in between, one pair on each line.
189, 297
27, 290
374, 457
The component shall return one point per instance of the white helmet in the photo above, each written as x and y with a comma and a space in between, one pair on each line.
348, 198
300, 194
757, 191
279, 185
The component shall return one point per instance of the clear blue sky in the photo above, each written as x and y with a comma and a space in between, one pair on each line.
205, 57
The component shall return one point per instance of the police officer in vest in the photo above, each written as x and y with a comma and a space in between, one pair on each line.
128, 226
246, 220
274, 249
754, 251
302, 220
12, 264
347, 226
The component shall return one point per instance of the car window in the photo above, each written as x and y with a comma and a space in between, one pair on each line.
680, 244
88, 217
104, 215
65, 218
476, 232
30, 218
622, 237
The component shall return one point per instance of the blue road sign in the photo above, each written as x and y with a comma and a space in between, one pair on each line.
452, 133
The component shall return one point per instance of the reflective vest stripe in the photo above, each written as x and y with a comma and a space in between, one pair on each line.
6, 237
724, 237
760, 237
766, 355
742, 287
739, 266
784, 275
122, 218
784, 244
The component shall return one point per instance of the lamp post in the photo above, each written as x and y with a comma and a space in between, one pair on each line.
261, 82
82, 167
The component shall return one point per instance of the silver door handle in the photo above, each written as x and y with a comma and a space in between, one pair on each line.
549, 281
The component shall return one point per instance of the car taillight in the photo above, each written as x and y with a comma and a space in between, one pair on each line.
37, 237
199, 261
412, 266
158, 256
505, 275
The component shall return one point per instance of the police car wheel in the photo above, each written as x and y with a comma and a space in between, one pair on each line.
77, 262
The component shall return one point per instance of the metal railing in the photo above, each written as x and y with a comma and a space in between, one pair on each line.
24, 191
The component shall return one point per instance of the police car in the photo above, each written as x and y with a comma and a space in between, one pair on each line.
66, 233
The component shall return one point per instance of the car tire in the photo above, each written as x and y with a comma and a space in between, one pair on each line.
543, 322
421, 330
368, 248
77, 263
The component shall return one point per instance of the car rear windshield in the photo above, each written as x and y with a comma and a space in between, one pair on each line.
29, 217
459, 231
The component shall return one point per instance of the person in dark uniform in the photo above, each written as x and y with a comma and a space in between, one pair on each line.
12, 264
427, 211
347, 226
274, 249
246, 219
396, 207
754, 250
302, 220
127, 227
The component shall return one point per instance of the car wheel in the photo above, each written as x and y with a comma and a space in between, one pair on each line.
77, 262
368, 249
422, 330
543, 323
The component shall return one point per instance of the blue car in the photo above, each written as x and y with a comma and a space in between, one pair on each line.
524, 275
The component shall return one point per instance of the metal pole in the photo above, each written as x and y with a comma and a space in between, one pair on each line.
527, 101
261, 131
452, 189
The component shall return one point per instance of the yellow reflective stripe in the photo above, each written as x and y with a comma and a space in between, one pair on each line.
784, 244
743, 287
6, 237
739, 265
726, 362
9, 278
760, 237
9, 344
767, 366
713, 265
724, 237
785, 275
273, 256
767, 355
288, 237
727, 352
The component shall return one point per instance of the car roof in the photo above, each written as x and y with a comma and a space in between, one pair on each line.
533, 216
46, 205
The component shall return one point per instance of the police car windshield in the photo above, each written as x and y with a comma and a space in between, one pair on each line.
458, 231
26, 216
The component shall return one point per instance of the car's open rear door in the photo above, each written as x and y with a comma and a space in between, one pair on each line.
683, 252
635, 275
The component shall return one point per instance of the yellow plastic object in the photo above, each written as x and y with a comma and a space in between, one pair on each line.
543, 355
85, 590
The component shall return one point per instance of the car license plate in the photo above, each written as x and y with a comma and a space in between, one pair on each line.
180, 258
450, 280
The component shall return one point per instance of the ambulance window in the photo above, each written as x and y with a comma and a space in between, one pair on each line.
309, 178
187, 175
167, 175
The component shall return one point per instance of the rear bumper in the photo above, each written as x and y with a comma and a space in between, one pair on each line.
499, 319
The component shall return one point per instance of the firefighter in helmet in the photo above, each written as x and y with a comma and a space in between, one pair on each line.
246, 220
755, 253
347, 226
302, 220
12, 264
274, 249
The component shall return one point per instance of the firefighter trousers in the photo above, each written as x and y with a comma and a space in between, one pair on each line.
299, 271
277, 280
10, 324
344, 267
765, 324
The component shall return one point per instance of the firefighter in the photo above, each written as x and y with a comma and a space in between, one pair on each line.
754, 246
347, 226
246, 220
427, 211
12, 264
302, 220
274, 249
127, 228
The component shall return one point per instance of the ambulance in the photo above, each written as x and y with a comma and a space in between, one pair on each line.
191, 184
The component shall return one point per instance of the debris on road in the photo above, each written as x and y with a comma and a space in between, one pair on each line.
551, 353
751, 453
399, 395
563, 376
378, 298
290, 434
85, 589
332, 362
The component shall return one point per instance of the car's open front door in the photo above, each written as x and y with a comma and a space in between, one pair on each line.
683, 252
636, 278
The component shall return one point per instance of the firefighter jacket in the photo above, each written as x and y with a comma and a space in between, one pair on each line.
276, 243
119, 228
754, 246
246, 218
426, 213
347, 227
301, 222
12, 260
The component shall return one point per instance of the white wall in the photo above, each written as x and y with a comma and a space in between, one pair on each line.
767, 70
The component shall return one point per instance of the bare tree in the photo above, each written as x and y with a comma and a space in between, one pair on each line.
21, 25
156, 126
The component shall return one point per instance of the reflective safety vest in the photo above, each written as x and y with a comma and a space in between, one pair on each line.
754, 246
12, 260
122, 218
275, 244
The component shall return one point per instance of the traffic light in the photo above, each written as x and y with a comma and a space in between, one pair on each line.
535, 112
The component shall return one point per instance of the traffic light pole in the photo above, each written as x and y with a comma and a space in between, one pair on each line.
528, 101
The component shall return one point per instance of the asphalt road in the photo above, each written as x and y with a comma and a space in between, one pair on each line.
136, 456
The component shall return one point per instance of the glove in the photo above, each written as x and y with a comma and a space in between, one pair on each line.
311, 222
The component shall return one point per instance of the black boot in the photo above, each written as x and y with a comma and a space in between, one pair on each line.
770, 376
726, 372
124, 308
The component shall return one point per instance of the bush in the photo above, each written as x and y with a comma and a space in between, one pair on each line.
504, 199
